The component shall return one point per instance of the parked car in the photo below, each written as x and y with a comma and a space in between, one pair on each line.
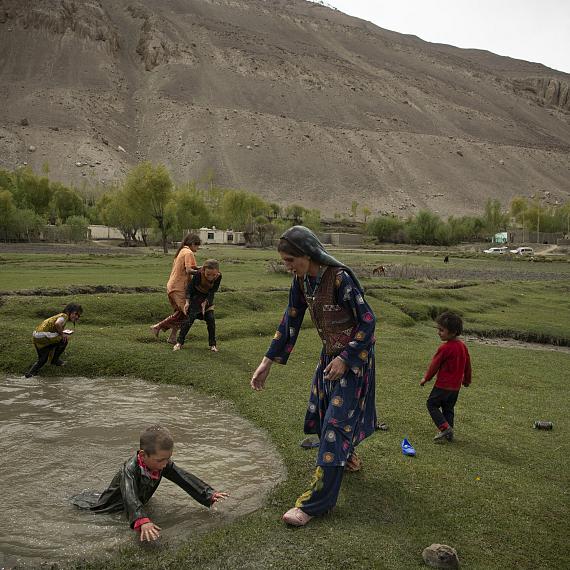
499, 250
523, 251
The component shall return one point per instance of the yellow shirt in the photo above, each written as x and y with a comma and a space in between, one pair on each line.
178, 276
46, 332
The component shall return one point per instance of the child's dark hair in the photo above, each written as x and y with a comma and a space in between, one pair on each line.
189, 239
211, 264
73, 308
155, 438
287, 247
450, 321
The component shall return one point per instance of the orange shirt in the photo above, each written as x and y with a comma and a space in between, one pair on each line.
178, 276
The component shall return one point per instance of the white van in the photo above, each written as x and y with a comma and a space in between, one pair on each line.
523, 251
499, 250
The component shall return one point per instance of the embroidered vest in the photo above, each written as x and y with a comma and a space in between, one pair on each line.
335, 324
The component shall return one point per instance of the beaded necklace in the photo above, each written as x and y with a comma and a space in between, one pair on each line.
310, 291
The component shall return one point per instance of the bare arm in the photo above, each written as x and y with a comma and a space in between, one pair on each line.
261, 373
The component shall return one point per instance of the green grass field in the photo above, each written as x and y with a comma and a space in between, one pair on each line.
499, 494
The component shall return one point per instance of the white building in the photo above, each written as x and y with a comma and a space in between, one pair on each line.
104, 232
215, 235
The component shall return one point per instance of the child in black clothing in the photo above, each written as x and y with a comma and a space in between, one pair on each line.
138, 479
200, 302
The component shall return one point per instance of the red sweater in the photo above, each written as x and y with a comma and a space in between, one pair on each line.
452, 365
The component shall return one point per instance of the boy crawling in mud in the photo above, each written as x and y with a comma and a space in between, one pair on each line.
138, 479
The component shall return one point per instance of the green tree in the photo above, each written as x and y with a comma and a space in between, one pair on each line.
187, 210
274, 210
353, 208
295, 212
384, 228
366, 212
31, 191
116, 212
519, 209
239, 209
25, 224
495, 219
312, 219
7, 209
425, 228
148, 190
78, 228
65, 202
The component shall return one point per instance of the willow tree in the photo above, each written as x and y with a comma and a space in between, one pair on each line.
149, 189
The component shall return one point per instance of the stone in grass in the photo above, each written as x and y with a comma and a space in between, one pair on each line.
440, 556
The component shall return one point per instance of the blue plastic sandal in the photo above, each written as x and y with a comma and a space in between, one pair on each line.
407, 448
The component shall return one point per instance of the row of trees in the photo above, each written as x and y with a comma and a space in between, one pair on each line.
148, 201
28, 202
428, 228
148, 205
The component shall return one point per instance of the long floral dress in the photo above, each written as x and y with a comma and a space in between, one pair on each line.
341, 412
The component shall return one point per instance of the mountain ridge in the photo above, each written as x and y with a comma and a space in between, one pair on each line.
291, 100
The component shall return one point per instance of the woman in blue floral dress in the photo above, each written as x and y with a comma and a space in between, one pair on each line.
341, 406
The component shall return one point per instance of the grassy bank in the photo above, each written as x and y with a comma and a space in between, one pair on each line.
498, 495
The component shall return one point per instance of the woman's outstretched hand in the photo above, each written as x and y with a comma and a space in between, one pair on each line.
261, 373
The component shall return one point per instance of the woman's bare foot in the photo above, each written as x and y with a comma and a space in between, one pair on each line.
155, 329
177, 346
296, 517
214, 349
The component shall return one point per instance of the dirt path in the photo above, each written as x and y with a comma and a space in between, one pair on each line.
512, 343
92, 247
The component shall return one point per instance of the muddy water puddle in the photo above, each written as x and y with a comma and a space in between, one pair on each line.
61, 436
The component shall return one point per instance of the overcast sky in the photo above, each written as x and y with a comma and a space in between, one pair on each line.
533, 30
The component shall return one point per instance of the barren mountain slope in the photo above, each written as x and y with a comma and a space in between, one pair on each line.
291, 100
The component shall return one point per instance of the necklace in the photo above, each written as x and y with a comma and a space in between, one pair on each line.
310, 291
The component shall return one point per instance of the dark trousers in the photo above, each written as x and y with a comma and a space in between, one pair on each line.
44, 353
441, 404
323, 492
210, 323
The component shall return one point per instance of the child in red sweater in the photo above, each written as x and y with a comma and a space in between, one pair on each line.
453, 367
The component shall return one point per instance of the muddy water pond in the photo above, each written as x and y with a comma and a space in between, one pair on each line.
61, 436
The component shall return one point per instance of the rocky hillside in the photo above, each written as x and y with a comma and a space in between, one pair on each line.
286, 98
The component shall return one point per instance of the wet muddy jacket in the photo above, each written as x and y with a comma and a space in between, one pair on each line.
131, 488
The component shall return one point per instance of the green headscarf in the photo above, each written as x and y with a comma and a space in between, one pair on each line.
307, 242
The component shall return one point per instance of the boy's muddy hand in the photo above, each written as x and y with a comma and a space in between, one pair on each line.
186, 307
219, 496
149, 532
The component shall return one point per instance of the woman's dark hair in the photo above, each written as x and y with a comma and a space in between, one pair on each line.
73, 308
189, 239
156, 438
450, 321
286, 246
